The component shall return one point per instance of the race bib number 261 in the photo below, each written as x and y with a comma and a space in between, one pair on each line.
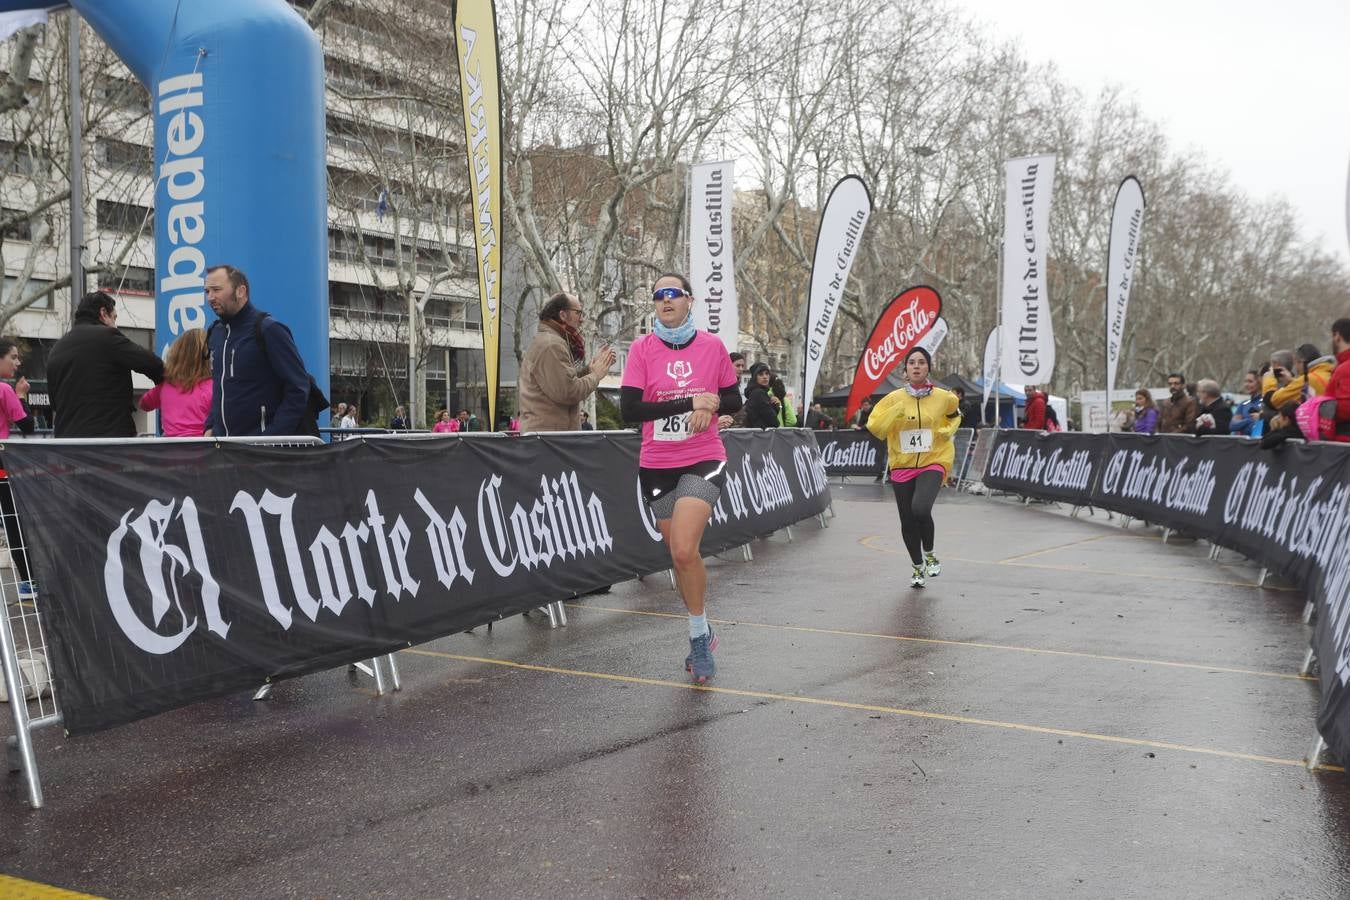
671, 428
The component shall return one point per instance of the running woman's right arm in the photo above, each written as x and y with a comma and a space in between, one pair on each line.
634, 409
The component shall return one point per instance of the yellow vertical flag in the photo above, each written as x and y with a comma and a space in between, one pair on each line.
479, 87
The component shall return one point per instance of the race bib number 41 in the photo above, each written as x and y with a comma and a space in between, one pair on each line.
671, 428
919, 440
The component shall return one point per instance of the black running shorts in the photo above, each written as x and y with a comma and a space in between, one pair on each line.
662, 487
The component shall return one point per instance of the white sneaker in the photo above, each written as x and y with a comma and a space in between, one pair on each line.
932, 568
917, 579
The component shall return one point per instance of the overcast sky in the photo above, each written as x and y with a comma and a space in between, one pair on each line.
1261, 88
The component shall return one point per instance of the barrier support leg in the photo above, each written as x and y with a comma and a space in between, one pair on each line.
552, 617
670, 573
1315, 753
746, 555
18, 708
1167, 533
393, 672
1261, 579
1126, 523
820, 517
562, 613
1308, 609
379, 677
788, 529
1306, 668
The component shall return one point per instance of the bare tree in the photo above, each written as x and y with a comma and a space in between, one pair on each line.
397, 183
35, 156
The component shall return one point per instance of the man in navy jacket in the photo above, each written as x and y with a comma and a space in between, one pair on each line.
256, 390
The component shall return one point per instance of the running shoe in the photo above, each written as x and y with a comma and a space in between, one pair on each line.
27, 591
917, 579
932, 568
699, 662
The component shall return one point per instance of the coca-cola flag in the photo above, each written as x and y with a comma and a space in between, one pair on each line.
904, 323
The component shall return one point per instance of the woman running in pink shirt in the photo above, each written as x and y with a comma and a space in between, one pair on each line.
184, 397
676, 382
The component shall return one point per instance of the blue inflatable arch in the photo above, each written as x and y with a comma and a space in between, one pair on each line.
237, 95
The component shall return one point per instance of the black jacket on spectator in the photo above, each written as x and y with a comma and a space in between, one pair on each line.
89, 375
1223, 416
759, 409
970, 413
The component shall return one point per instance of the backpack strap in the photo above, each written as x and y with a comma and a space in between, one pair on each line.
258, 337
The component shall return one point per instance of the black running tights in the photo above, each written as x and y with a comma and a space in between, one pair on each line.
915, 499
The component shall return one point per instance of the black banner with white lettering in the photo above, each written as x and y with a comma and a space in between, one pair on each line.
1045, 466
1287, 509
174, 572
851, 452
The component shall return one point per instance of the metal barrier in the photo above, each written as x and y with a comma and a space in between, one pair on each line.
23, 642
963, 441
979, 458
27, 670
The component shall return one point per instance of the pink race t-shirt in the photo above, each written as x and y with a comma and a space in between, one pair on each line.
11, 410
181, 413
702, 367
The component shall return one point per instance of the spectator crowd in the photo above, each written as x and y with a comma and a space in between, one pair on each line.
1298, 393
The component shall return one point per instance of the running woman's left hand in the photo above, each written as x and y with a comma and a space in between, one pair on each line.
699, 420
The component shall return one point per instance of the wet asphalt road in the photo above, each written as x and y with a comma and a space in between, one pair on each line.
1068, 711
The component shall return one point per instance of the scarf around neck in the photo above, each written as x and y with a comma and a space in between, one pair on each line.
680, 334
572, 336
922, 390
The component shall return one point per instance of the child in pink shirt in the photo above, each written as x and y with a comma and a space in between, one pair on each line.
184, 398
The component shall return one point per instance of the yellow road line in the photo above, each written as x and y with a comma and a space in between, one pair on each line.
19, 889
874, 708
1090, 540
950, 643
866, 542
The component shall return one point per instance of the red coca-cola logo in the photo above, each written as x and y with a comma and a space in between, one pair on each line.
902, 325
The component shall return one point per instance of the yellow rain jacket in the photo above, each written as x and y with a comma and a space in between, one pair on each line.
898, 412
1319, 373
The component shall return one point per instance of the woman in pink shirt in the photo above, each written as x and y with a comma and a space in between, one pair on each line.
676, 382
13, 413
445, 424
184, 397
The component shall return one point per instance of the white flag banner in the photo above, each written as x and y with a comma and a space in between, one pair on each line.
841, 228
1127, 223
12, 22
935, 336
1029, 351
711, 270
992, 352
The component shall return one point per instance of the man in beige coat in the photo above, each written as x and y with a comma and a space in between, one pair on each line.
554, 376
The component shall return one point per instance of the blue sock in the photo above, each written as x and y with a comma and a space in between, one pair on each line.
698, 626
